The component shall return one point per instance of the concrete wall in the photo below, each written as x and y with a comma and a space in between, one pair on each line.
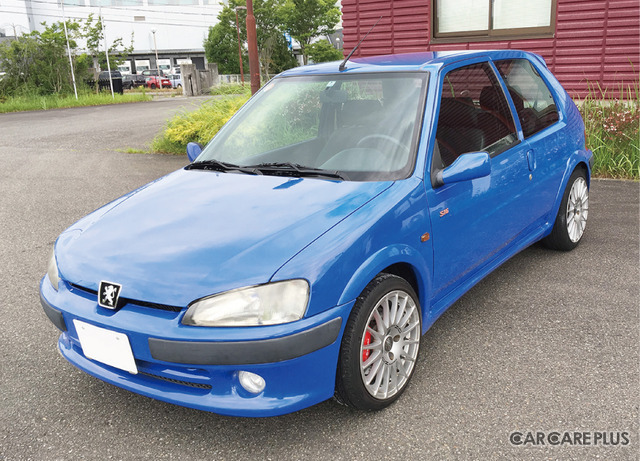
196, 82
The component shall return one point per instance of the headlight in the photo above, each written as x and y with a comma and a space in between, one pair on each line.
52, 271
270, 304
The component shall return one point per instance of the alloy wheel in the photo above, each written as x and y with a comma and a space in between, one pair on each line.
390, 345
577, 209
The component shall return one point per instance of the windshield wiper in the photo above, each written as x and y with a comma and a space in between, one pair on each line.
295, 169
217, 165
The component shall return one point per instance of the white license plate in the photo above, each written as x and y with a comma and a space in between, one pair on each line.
106, 346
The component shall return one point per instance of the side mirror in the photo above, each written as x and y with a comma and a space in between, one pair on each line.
466, 167
193, 150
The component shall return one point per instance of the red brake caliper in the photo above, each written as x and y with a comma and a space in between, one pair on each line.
367, 352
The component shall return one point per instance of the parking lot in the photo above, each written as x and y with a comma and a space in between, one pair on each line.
548, 342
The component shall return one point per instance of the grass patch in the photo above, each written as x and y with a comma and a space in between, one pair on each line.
159, 90
231, 88
133, 150
33, 102
612, 127
197, 126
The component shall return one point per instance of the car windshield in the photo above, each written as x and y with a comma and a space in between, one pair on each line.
362, 127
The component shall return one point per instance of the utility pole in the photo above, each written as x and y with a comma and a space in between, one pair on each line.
155, 45
252, 42
106, 52
66, 34
239, 44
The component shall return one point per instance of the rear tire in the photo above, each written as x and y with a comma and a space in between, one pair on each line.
153, 86
571, 220
380, 345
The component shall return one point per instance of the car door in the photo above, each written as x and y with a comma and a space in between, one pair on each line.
473, 220
542, 130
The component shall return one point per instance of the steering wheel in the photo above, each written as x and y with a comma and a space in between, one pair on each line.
384, 137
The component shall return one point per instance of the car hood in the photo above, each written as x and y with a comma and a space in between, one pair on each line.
194, 233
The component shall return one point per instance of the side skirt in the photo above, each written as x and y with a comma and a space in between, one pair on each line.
481, 272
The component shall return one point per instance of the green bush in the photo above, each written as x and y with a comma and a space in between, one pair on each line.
231, 88
37, 63
323, 51
612, 128
197, 126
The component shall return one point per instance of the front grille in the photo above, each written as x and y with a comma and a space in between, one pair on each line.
123, 301
177, 381
86, 290
163, 307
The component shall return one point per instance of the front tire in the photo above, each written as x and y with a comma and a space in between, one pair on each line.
571, 220
380, 345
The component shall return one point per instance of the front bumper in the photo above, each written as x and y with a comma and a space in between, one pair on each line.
198, 367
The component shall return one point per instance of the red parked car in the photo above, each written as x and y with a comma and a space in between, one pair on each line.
155, 81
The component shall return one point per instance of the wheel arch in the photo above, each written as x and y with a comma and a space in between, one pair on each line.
407, 272
401, 260
579, 160
582, 165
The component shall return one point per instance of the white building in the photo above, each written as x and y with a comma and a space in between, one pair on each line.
179, 26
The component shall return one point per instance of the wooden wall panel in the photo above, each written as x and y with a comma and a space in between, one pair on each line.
596, 42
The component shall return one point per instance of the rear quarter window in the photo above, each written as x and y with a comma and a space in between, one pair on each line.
531, 96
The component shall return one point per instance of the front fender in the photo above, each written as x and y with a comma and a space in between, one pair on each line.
383, 258
384, 231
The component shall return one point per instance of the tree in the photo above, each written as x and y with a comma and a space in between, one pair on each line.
323, 51
221, 47
278, 58
94, 35
273, 49
306, 19
37, 62
221, 44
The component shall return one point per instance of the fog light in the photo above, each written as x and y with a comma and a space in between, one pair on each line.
251, 382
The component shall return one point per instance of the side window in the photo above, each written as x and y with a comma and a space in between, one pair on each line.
474, 115
531, 96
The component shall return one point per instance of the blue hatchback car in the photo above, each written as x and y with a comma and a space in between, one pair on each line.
305, 250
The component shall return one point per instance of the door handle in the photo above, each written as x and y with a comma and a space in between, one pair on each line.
531, 160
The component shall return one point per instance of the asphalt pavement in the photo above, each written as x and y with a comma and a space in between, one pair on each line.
547, 343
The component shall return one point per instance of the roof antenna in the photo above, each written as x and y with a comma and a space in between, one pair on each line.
343, 65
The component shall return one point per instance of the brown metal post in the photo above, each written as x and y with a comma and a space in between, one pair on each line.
252, 41
239, 44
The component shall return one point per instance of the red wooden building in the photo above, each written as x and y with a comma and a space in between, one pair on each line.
586, 43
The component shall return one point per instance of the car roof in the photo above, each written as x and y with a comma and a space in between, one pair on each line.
424, 61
